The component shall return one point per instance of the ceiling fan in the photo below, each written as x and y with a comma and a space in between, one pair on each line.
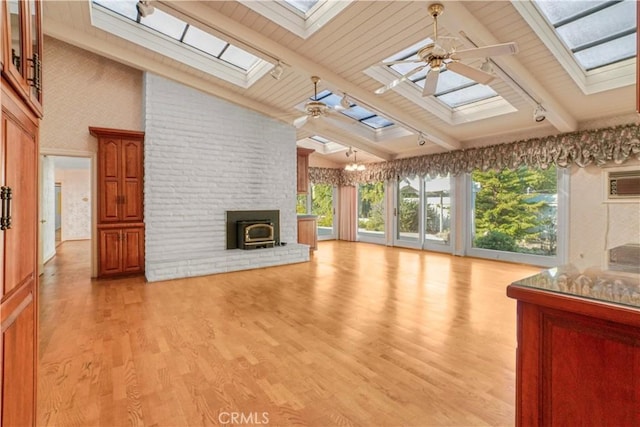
438, 58
316, 109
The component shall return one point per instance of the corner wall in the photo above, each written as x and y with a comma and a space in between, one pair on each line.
203, 157
81, 90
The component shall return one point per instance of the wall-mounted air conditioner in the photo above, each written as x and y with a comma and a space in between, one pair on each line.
622, 184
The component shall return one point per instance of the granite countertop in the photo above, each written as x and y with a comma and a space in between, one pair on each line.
307, 216
593, 283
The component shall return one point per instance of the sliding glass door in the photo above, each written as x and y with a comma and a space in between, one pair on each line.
423, 213
371, 212
408, 211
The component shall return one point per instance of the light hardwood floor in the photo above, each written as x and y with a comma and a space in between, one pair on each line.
361, 335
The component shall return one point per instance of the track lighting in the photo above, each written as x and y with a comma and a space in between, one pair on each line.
144, 8
421, 140
539, 114
344, 102
277, 71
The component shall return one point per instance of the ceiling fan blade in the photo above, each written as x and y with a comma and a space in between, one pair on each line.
486, 51
401, 61
431, 82
470, 72
399, 80
300, 121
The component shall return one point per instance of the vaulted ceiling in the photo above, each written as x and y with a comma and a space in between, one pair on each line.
344, 43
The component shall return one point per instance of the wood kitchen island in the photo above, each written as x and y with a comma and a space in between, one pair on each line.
578, 356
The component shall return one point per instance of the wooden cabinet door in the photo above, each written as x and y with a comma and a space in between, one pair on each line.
302, 172
18, 359
110, 251
22, 50
18, 172
20, 177
307, 232
109, 187
131, 181
133, 249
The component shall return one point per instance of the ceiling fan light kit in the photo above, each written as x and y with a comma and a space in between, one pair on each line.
439, 58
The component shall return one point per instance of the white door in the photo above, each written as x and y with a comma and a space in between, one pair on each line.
47, 246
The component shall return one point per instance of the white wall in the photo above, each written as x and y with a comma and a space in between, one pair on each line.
594, 226
76, 202
205, 156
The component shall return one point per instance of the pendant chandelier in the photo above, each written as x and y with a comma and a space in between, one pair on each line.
353, 167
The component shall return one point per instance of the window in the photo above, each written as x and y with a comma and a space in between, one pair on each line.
302, 204
355, 112
303, 6
598, 33
516, 212
594, 41
322, 207
320, 139
371, 212
179, 30
161, 32
302, 17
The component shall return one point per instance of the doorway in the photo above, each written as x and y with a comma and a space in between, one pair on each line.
66, 203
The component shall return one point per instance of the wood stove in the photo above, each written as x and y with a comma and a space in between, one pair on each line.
257, 233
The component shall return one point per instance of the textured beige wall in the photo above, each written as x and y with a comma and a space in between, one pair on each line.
82, 89
594, 226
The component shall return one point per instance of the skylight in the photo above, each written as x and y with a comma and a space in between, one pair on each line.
598, 33
320, 139
182, 32
355, 112
303, 6
302, 17
453, 89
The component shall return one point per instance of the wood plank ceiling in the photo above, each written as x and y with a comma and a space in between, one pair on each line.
362, 35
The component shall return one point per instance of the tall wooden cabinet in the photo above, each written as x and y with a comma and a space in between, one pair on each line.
120, 201
20, 98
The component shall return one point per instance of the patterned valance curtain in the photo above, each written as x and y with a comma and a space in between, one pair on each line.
599, 147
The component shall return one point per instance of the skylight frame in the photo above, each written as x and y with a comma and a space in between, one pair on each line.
290, 18
120, 25
292, 4
568, 22
601, 79
332, 100
481, 109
